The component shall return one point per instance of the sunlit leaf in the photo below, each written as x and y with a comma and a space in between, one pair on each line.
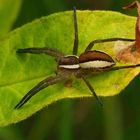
19, 73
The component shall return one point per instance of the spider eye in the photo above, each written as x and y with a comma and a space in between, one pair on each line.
69, 62
95, 59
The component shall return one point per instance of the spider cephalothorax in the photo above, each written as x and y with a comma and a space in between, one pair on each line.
69, 62
89, 62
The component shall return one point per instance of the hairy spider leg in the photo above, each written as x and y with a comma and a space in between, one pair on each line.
75, 47
43, 84
100, 70
91, 44
92, 90
75, 51
48, 51
123, 67
103, 70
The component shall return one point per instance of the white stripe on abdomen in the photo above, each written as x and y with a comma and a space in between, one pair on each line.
96, 64
75, 66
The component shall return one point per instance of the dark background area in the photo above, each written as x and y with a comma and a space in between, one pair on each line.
82, 119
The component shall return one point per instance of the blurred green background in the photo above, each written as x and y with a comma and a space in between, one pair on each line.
82, 119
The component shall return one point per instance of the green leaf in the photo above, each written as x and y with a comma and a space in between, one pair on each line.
8, 13
20, 72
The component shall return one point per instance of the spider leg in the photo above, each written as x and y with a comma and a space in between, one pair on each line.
112, 68
43, 84
48, 51
75, 47
91, 44
123, 67
92, 90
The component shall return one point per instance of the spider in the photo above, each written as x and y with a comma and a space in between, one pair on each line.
88, 63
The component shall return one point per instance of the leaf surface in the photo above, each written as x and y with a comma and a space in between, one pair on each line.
20, 72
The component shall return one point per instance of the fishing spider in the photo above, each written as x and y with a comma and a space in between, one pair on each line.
89, 62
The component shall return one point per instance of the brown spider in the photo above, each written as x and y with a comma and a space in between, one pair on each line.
89, 62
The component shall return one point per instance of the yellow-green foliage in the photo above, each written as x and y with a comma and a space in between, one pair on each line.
20, 72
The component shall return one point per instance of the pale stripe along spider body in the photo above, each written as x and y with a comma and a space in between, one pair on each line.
89, 62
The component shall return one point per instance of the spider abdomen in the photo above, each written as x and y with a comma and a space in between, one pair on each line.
95, 59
